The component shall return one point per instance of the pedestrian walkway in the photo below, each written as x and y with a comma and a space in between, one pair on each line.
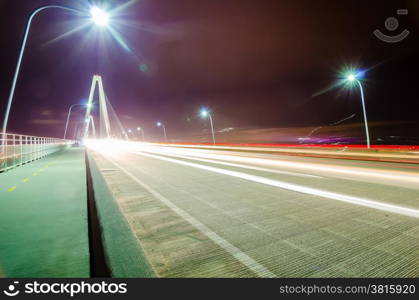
43, 218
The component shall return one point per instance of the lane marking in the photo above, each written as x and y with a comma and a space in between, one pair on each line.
244, 166
25, 180
246, 260
11, 189
410, 212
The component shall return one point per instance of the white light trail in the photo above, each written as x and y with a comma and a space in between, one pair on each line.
111, 147
243, 166
296, 188
345, 170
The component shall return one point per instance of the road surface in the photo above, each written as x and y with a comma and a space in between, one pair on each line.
212, 213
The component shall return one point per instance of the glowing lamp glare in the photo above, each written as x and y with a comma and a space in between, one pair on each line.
99, 16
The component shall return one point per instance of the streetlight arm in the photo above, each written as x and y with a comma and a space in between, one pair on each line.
165, 134
22, 50
212, 129
68, 118
365, 113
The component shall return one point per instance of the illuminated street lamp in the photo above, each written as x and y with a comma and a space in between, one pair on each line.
68, 116
354, 78
129, 131
205, 113
160, 124
142, 132
98, 17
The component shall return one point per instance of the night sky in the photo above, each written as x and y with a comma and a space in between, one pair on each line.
254, 63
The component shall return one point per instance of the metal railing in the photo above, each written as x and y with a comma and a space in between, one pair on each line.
17, 150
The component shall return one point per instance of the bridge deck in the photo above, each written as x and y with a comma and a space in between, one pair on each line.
202, 218
43, 212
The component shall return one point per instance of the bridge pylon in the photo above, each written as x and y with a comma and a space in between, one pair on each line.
103, 110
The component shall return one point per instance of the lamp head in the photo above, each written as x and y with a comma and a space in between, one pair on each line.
351, 77
99, 16
159, 124
204, 113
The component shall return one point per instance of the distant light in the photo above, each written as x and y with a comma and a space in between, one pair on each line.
158, 124
129, 130
99, 16
89, 105
204, 113
143, 68
138, 128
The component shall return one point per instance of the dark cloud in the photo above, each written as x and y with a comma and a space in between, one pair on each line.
46, 122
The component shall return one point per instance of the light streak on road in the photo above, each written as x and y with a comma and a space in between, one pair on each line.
345, 170
313, 150
244, 166
356, 172
116, 147
297, 188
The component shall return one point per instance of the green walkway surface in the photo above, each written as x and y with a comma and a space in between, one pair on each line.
43, 218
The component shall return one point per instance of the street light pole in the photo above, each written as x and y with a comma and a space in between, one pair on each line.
19, 61
354, 78
365, 114
165, 135
212, 129
205, 113
68, 118
160, 124
142, 132
128, 133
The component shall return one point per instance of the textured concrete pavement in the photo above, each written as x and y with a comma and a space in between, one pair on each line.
196, 214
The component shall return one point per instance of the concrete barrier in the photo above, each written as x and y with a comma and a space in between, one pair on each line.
124, 255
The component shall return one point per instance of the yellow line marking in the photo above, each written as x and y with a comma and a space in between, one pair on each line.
35, 174
25, 180
11, 189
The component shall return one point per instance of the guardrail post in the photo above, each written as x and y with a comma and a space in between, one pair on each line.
5, 150
21, 150
33, 148
26, 149
14, 151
